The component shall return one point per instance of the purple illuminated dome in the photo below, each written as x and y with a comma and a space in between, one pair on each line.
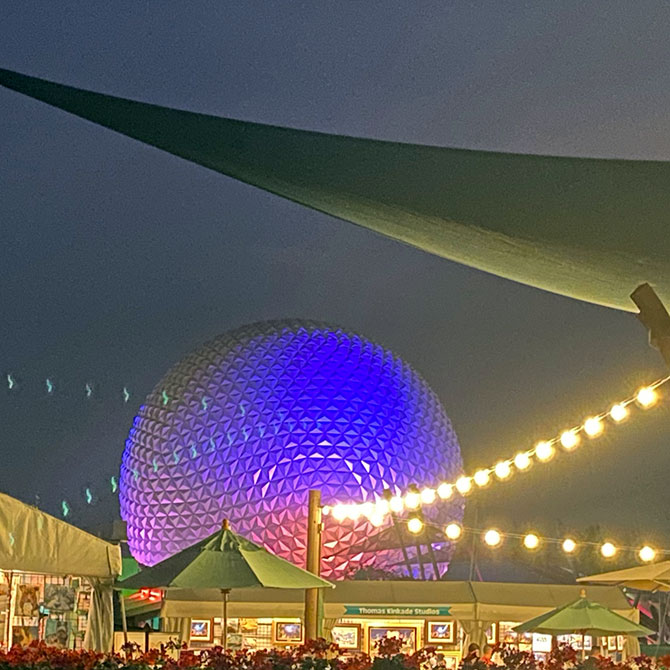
245, 425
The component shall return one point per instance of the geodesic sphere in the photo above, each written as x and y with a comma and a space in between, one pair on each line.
246, 425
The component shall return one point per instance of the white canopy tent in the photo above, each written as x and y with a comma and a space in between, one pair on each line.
33, 541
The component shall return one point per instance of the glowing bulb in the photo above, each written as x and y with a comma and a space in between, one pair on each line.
326, 510
396, 504
544, 451
502, 470
647, 554
593, 426
340, 512
492, 538
382, 507
414, 525
482, 477
367, 509
354, 512
646, 396
445, 491
608, 550
428, 496
412, 500
377, 519
569, 545
453, 531
522, 461
618, 412
531, 541
569, 439
464, 485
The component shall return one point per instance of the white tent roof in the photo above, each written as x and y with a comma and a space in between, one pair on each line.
33, 541
488, 601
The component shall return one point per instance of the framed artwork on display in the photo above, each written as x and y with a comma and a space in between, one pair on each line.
611, 643
440, 632
492, 634
201, 630
347, 636
287, 632
408, 635
620, 642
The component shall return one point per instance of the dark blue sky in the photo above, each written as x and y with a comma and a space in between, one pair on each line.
117, 259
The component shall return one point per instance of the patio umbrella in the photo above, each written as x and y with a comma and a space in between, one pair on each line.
585, 617
224, 561
652, 577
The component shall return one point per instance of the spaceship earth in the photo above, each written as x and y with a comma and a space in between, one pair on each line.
244, 426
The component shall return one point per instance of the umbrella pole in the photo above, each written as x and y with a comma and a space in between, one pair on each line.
124, 621
583, 646
224, 623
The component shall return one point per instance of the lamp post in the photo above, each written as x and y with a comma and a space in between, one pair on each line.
313, 563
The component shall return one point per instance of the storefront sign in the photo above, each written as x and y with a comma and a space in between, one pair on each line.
395, 610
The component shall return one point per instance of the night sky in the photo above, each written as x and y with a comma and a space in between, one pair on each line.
117, 259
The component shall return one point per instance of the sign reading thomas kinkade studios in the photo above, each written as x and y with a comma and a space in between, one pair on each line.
395, 610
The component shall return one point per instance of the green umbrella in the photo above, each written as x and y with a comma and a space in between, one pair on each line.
224, 561
585, 617
588, 228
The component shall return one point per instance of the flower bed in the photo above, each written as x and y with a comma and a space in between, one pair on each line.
315, 655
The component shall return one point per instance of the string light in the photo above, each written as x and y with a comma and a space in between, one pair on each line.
618, 412
453, 531
569, 545
593, 426
531, 541
396, 504
522, 461
445, 491
415, 525
647, 554
544, 451
464, 485
608, 550
569, 439
492, 538
502, 470
428, 496
646, 396
412, 500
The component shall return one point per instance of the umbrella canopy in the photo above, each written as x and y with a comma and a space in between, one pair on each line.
224, 561
585, 617
587, 228
653, 577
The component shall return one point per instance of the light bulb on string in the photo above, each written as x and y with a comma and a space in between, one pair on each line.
339, 512
618, 412
608, 550
647, 554
428, 496
376, 519
367, 509
396, 504
593, 426
544, 451
453, 531
569, 439
569, 545
481, 478
522, 461
646, 396
502, 470
445, 491
382, 507
415, 525
531, 541
492, 538
464, 485
412, 500
326, 510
